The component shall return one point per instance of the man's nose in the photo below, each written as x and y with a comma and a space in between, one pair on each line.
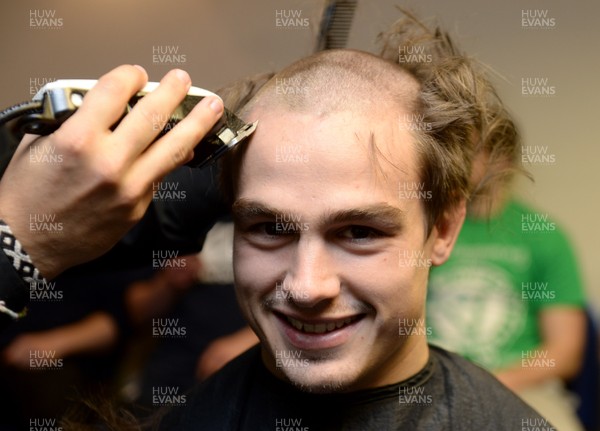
312, 276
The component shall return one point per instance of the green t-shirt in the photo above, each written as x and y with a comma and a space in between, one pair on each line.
484, 302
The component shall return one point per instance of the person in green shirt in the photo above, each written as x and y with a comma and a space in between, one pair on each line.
510, 298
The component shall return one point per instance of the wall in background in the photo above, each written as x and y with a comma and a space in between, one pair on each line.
215, 41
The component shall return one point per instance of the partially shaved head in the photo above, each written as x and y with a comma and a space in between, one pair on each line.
336, 153
335, 81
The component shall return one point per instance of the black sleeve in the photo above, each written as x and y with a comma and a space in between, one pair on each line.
178, 218
186, 221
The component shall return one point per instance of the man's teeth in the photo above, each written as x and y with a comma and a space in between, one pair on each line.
319, 328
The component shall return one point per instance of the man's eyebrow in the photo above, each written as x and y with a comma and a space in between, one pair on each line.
244, 209
383, 214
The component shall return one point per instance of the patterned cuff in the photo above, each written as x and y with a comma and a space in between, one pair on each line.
18, 256
21, 262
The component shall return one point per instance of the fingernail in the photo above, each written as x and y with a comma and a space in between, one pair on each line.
183, 76
140, 68
216, 105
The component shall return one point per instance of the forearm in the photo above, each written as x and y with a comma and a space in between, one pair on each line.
224, 349
95, 333
540, 365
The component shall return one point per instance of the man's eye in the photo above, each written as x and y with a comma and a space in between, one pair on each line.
274, 229
359, 233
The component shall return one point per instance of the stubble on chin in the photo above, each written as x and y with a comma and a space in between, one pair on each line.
306, 380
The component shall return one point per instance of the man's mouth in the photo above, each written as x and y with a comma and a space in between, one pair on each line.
321, 328
317, 334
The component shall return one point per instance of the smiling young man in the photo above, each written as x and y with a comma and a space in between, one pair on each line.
353, 185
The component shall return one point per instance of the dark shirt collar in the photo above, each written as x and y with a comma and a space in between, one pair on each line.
357, 397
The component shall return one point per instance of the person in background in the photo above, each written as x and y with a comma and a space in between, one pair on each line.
511, 299
510, 296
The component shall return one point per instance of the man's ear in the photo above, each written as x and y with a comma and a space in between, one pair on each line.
445, 232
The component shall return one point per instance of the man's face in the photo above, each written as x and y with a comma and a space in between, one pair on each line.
330, 253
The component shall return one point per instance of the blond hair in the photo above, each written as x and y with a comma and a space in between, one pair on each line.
457, 85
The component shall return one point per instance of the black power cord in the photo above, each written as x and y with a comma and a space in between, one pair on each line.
10, 135
16, 111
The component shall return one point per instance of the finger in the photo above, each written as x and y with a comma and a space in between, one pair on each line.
176, 147
105, 103
149, 116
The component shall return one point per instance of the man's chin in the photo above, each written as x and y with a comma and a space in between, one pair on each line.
327, 386
317, 381
314, 371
